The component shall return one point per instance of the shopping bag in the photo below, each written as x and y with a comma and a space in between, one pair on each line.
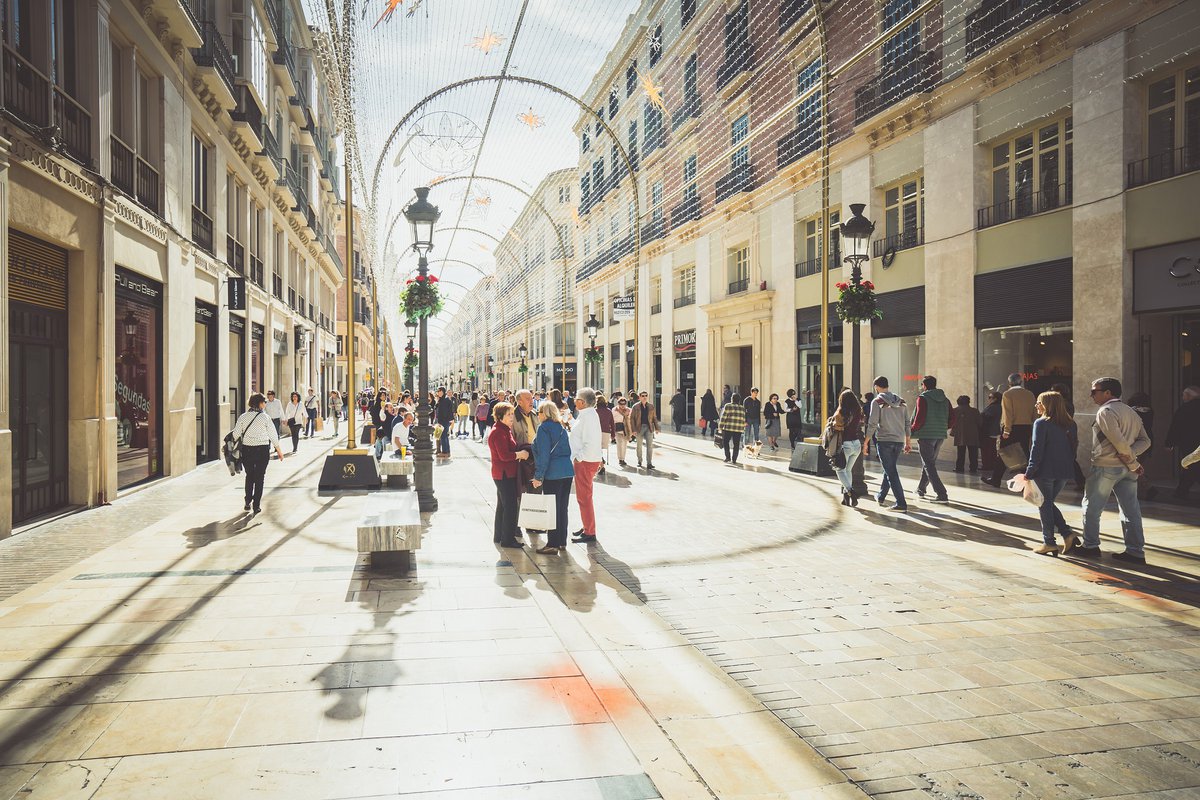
320, 424
1032, 494
719, 439
537, 512
1013, 455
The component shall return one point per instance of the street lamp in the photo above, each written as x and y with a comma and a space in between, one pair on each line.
856, 239
422, 216
593, 327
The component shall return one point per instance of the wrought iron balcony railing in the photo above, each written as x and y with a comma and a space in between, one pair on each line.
1161, 166
685, 300
202, 230
903, 240
215, 53
738, 179
1025, 204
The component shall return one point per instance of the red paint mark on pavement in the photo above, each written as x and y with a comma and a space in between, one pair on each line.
643, 506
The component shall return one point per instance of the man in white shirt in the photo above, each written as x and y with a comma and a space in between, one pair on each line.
585, 440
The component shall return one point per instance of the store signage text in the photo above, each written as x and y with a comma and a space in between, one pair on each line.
132, 397
137, 285
685, 340
623, 307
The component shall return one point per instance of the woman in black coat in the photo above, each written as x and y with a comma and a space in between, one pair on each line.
708, 412
794, 417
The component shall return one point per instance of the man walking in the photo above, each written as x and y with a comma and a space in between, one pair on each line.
1016, 422
644, 421
888, 424
585, 444
312, 407
932, 419
443, 413
753, 406
1184, 436
678, 410
1118, 439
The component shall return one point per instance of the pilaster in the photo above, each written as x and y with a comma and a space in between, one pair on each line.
780, 272
6, 443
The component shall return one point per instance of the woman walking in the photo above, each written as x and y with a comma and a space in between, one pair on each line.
849, 421
1065, 390
335, 411
256, 434
732, 425
295, 417
483, 414
794, 417
553, 473
505, 456
966, 429
708, 413
607, 422
1051, 465
773, 414
620, 435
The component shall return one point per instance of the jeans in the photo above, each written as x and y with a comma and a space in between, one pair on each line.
1051, 517
646, 437
733, 440
1100, 484
444, 442
379, 442
507, 505
852, 450
310, 427
561, 489
254, 461
962, 457
752, 431
482, 425
929, 474
585, 474
889, 454
294, 427
337, 418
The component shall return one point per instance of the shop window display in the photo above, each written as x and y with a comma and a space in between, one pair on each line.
138, 407
1041, 353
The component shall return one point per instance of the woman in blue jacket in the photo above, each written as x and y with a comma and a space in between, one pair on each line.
553, 470
1051, 465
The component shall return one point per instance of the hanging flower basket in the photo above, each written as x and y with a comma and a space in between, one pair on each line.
411, 361
421, 298
856, 303
523, 369
593, 355
491, 376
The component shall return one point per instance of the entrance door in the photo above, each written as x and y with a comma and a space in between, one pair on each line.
38, 403
810, 384
745, 370
207, 423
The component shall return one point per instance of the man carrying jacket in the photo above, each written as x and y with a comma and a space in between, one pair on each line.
888, 423
931, 421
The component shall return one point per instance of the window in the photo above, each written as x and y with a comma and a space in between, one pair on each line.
200, 164
655, 295
633, 143
656, 203
1172, 128
564, 194
656, 45
903, 215
612, 104
691, 90
586, 141
902, 47
585, 187
631, 79
685, 283
598, 176
564, 340
808, 112
738, 132
652, 126
687, 11
739, 269
1031, 173
689, 178
808, 241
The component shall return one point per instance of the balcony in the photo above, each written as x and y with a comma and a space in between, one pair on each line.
685, 300
797, 144
654, 229
289, 183
896, 81
791, 12
656, 308
899, 241
235, 255
248, 118
256, 270
202, 230
813, 265
737, 63
1024, 205
277, 286
996, 20
123, 166
269, 157
214, 56
738, 179
1161, 166
686, 211
32, 99
274, 15
688, 111
285, 63
739, 286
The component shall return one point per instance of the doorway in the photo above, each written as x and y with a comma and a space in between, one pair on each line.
206, 382
38, 407
745, 370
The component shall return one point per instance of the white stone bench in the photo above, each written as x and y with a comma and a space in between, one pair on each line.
392, 531
396, 470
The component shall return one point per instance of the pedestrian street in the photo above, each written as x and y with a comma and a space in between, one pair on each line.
733, 633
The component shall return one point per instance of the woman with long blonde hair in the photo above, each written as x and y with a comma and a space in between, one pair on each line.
1051, 465
848, 421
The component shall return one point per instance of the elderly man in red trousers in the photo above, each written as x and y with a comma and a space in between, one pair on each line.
586, 452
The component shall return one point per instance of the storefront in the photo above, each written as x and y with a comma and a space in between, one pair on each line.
38, 385
898, 342
808, 362
279, 349
569, 382
205, 361
139, 382
237, 366
1166, 301
258, 356
685, 369
1023, 321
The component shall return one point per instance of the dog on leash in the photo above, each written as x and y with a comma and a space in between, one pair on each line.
752, 449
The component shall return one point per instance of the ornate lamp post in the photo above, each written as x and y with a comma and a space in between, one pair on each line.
471, 376
422, 216
410, 327
856, 238
523, 369
593, 327
491, 373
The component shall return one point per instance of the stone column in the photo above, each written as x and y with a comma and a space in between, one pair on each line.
955, 185
1102, 278
6, 440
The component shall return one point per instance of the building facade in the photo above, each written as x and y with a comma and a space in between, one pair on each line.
167, 183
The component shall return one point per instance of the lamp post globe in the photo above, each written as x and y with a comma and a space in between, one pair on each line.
422, 216
593, 326
522, 351
856, 239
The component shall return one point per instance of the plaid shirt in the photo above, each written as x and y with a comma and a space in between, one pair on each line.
733, 418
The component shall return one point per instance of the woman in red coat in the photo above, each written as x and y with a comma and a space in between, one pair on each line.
505, 456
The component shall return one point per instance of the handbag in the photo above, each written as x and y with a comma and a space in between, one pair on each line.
537, 512
1012, 454
838, 461
719, 440
233, 447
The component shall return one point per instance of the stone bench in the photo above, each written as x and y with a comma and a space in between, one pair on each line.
392, 530
396, 470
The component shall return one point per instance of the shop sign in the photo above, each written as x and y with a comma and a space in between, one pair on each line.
237, 324
1167, 277
236, 293
280, 341
37, 272
623, 307
143, 288
685, 341
205, 314
656, 345
258, 331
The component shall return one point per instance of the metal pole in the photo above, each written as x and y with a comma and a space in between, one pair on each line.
823, 239
423, 449
351, 401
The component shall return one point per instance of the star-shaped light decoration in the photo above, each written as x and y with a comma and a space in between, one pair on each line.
652, 91
482, 200
388, 9
437, 180
413, 8
656, 44
531, 119
513, 234
486, 42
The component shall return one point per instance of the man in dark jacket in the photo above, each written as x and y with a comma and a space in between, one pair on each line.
443, 413
643, 420
753, 406
1184, 436
678, 410
932, 420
